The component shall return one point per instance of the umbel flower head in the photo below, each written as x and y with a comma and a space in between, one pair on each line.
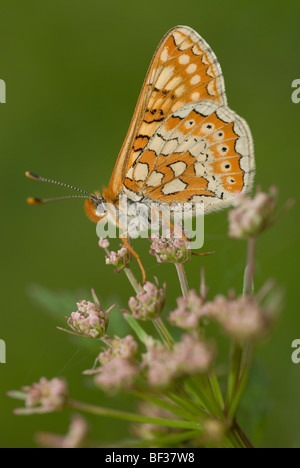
45, 396
89, 320
188, 357
118, 370
252, 216
170, 249
189, 312
117, 374
124, 348
148, 303
242, 318
120, 259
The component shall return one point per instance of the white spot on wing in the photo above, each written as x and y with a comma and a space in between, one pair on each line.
197, 148
155, 179
169, 147
184, 59
141, 171
164, 77
130, 173
173, 83
178, 168
195, 79
174, 186
191, 68
164, 55
199, 169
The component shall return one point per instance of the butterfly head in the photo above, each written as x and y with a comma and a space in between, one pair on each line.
96, 207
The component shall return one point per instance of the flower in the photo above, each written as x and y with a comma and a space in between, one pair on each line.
103, 243
119, 259
75, 438
170, 249
118, 370
189, 312
252, 216
125, 348
242, 318
89, 320
117, 374
148, 303
188, 357
45, 396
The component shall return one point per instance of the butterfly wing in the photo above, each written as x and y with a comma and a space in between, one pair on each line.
183, 70
201, 153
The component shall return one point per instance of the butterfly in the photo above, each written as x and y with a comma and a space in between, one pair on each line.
184, 144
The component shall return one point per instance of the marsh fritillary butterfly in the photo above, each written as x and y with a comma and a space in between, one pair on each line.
184, 143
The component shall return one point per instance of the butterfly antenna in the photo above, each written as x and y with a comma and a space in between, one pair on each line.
42, 201
30, 175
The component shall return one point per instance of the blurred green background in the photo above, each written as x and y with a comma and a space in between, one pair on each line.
73, 72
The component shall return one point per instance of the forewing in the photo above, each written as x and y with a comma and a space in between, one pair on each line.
183, 70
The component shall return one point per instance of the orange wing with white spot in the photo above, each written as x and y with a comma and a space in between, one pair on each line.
183, 70
201, 153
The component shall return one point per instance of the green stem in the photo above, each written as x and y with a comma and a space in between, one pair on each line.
182, 413
250, 270
234, 373
132, 279
163, 332
140, 332
182, 279
216, 389
242, 436
126, 416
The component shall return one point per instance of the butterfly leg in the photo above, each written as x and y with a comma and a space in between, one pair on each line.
136, 256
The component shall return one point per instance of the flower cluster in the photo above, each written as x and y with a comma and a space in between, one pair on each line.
89, 320
252, 216
170, 249
148, 303
188, 357
186, 405
189, 313
242, 318
124, 348
45, 396
120, 259
119, 369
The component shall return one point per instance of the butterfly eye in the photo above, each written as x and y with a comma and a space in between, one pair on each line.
101, 208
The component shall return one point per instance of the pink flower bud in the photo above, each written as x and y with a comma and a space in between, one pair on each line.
252, 216
170, 249
148, 303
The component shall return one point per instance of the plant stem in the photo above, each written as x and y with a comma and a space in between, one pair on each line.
182, 413
182, 279
249, 281
132, 279
126, 416
164, 332
140, 332
244, 439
